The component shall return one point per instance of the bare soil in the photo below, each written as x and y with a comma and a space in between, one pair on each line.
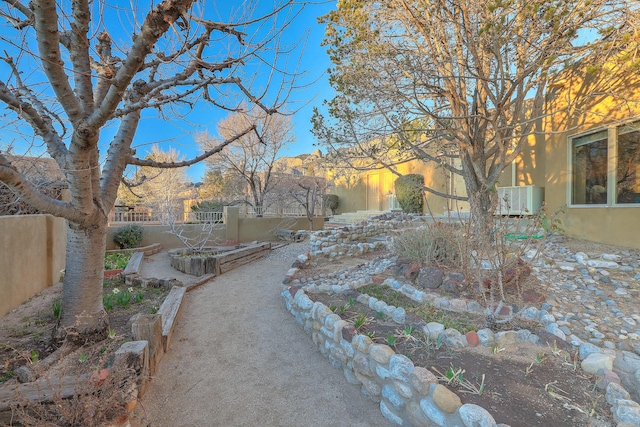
25, 333
524, 384
520, 384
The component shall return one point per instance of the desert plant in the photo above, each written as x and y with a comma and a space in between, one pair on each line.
409, 192
128, 236
437, 244
332, 201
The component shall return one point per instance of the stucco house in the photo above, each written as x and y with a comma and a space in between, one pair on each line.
584, 159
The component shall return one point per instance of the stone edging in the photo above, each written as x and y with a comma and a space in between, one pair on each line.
409, 395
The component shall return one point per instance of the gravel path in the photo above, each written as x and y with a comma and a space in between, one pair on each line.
237, 358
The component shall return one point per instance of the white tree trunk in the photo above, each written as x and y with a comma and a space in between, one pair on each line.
82, 311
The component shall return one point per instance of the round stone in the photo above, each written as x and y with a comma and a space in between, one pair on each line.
445, 399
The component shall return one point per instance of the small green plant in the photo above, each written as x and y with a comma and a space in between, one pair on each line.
123, 299
360, 321
116, 260
555, 350
439, 341
108, 302
34, 356
371, 335
56, 307
83, 358
455, 377
352, 302
128, 236
379, 314
6, 376
333, 308
137, 297
391, 339
112, 333
495, 349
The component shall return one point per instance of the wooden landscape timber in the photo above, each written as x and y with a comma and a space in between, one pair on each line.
229, 260
219, 263
169, 311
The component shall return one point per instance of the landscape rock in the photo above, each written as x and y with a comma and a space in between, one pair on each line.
597, 361
445, 399
430, 278
475, 416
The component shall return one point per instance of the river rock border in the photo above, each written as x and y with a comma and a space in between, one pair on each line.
410, 395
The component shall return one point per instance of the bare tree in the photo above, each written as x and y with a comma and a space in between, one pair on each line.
224, 187
252, 156
305, 191
439, 80
157, 188
65, 79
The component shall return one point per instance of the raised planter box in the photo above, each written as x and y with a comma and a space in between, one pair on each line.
216, 260
148, 250
112, 273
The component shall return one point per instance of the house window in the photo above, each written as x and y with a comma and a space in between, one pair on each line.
628, 168
605, 167
589, 172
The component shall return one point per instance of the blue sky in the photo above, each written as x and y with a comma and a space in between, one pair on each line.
179, 133
314, 60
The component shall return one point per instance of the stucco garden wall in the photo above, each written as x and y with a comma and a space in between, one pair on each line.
33, 254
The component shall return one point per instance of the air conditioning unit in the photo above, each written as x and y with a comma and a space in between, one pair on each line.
522, 200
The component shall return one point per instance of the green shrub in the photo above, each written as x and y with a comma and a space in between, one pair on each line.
409, 193
129, 236
332, 201
437, 244
116, 260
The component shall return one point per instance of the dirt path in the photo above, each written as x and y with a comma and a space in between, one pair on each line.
238, 358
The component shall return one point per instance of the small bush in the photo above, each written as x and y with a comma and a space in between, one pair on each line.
439, 244
409, 193
332, 201
129, 236
116, 261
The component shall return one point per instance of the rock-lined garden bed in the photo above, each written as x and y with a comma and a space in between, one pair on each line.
403, 399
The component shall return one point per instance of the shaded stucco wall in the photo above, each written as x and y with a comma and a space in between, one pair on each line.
240, 229
352, 197
33, 254
361, 194
160, 234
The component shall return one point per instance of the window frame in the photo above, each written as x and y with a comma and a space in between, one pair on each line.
612, 165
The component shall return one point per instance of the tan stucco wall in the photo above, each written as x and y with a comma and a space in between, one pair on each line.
351, 198
354, 198
573, 108
33, 253
160, 234
249, 229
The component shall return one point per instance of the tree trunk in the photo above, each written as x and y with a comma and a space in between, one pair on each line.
481, 204
82, 312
